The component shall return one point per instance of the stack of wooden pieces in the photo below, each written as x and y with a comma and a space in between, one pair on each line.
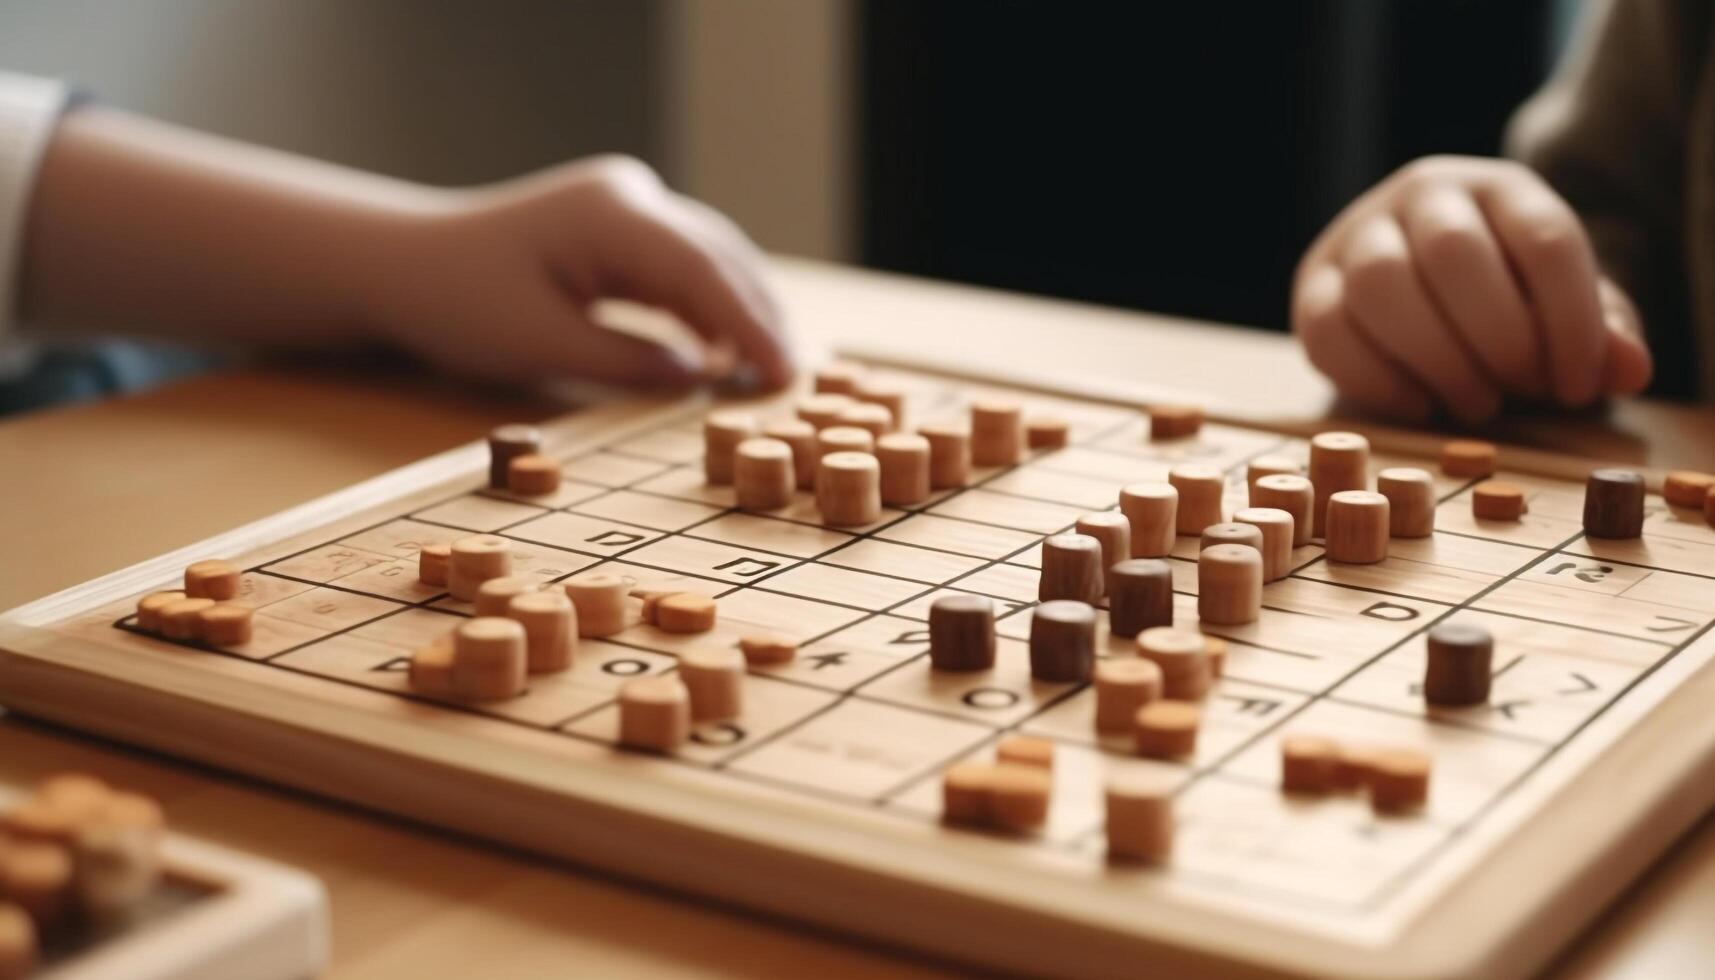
74, 850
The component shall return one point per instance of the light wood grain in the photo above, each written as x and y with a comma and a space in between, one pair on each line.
112, 484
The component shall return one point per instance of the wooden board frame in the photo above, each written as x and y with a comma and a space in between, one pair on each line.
1634, 794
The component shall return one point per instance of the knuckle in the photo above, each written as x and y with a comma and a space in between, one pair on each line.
1372, 279
623, 168
1447, 245
1552, 239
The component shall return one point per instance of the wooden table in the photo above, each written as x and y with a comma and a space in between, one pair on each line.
93, 488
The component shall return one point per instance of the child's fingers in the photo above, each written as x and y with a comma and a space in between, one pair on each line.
1467, 274
1629, 364
1548, 247
749, 259
1388, 303
679, 266
1339, 350
540, 332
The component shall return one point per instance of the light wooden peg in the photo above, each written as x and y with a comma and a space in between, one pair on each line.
1200, 490
1153, 510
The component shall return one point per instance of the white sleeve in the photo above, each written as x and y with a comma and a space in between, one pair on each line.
29, 109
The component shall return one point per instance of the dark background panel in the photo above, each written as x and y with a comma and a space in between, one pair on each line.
1169, 157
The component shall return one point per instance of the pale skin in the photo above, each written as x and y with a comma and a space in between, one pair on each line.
1461, 284
142, 226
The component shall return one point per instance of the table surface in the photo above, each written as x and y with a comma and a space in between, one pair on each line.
93, 488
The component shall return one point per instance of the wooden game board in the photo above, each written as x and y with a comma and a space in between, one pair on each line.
821, 803
216, 914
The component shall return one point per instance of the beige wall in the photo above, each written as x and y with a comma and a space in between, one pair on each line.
446, 92
742, 102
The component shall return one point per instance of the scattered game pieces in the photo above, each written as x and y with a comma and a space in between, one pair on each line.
432, 563
1685, 488
685, 612
1153, 511
490, 659
494, 596
1339, 461
1182, 657
1307, 764
949, 455
1263, 466
1046, 433
1293, 494
714, 679
1112, 531
506, 443
1140, 596
599, 599
550, 629
864, 733
1019, 797
1229, 584
839, 378
965, 792
848, 489
997, 433
38, 877
1459, 664
1614, 504
101, 860
1357, 527
874, 419
1353, 765
212, 579
1399, 780
1123, 685
1071, 569
19, 947
904, 461
884, 395
1493, 500
843, 439
1062, 641
961, 633
431, 669
801, 436
1167, 729
149, 609
225, 624
1231, 532
1174, 421
1410, 494
1467, 458
821, 411
1025, 750
1216, 648
1200, 489
722, 432
764, 474
474, 560
533, 475
1276, 527
1139, 821
654, 713
767, 649
182, 619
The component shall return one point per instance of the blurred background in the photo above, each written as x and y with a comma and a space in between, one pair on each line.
1168, 157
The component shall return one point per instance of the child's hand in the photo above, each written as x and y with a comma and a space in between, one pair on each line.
1458, 282
499, 283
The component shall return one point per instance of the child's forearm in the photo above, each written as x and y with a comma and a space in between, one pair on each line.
138, 225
